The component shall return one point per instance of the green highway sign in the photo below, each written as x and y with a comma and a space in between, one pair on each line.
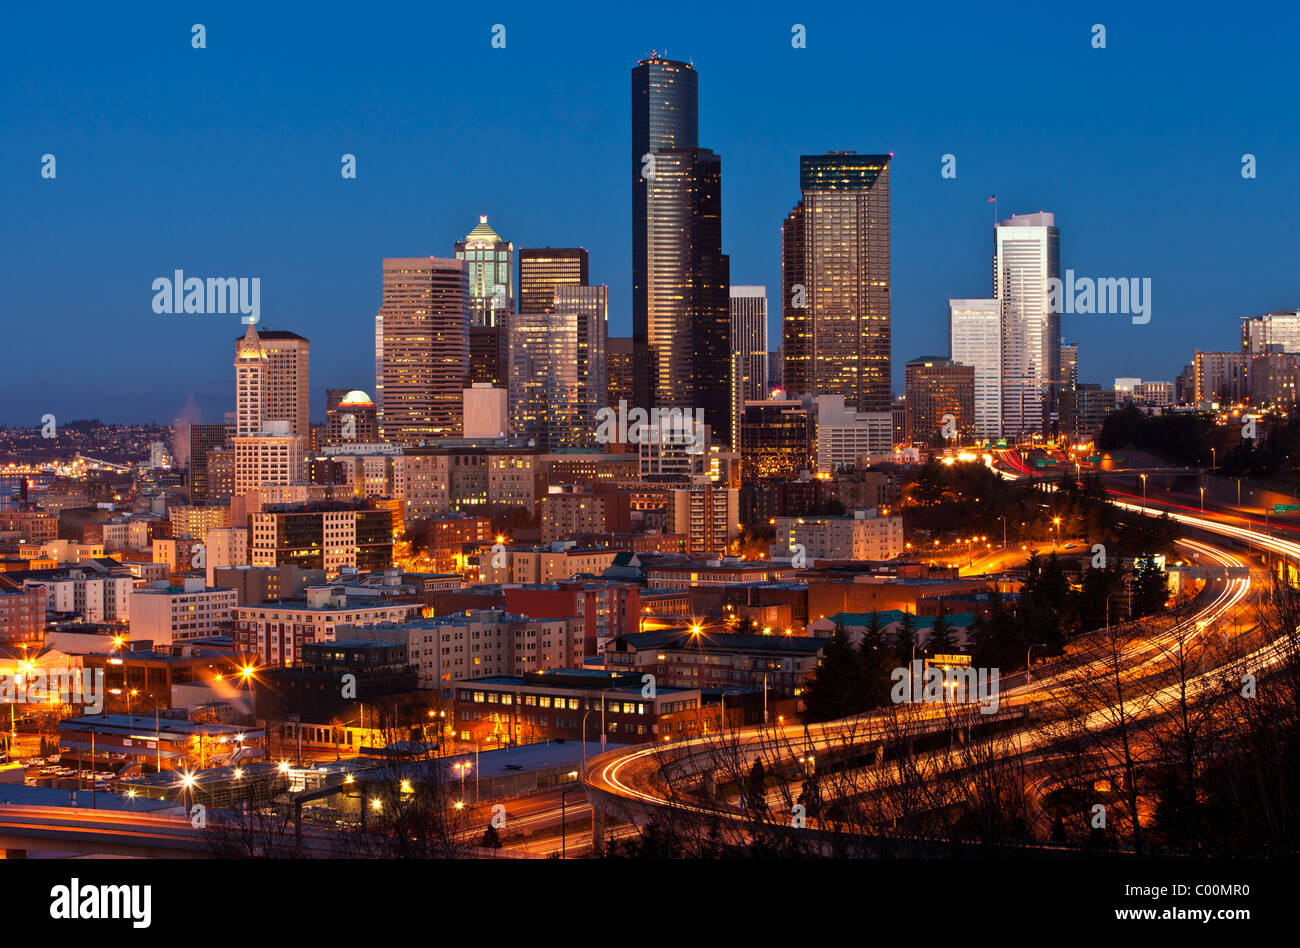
1285, 508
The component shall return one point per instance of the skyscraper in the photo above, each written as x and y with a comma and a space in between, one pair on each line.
268, 376
542, 269
557, 368
619, 371
422, 338
835, 285
490, 264
680, 304
748, 348
1027, 255
284, 384
975, 339
939, 392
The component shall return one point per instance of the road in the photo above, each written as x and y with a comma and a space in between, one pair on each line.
636, 775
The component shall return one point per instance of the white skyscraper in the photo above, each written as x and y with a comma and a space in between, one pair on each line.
748, 348
1027, 255
975, 339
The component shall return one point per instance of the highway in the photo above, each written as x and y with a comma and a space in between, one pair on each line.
636, 776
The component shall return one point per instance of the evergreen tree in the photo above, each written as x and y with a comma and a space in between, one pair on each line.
876, 660
1150, 587
941, 641
904, 644
834, 691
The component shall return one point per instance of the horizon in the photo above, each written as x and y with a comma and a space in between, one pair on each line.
232, 169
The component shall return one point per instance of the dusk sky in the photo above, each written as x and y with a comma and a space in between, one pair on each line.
225, 162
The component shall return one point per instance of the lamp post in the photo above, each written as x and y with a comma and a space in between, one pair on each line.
1202, 500
1029, 675
563, 823
1144, 487
1056, 522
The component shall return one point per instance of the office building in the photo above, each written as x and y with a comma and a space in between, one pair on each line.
862, 535
164, 614
835, 283
844, 435
486, 411
776, 439
680, 277
200, 439
350, 418
975, 339
325, 535
940, 402
422, 348
557, 368
1027, 255
748, 348
542, 269
489, 263
619, 371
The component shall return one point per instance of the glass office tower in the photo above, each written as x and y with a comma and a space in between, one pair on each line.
835, 294
680, 277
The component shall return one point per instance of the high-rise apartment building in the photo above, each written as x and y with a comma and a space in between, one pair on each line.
542, 269
557, 368
680, 302
1273, 332
422, 348
1027, 254
975, 339
1222, 378
489, 262
748, 348
835, 284
940, 401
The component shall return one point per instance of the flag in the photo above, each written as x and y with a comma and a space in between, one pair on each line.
993, 199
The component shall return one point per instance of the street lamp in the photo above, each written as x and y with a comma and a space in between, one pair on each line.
1056, 521
1202, 500
563, 824
1144, 487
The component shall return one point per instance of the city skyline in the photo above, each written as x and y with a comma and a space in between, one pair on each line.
1111, 190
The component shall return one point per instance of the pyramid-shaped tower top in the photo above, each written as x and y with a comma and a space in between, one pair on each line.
482, 234
250, 347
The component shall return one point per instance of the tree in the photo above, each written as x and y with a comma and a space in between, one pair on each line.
905, 642
491, 838
1150, 587
941, 641
876, 660
835, 690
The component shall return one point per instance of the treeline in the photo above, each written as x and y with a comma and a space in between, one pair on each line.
1183, 437
1273, 455
1047, 614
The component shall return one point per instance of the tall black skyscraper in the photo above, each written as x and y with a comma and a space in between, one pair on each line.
681, 321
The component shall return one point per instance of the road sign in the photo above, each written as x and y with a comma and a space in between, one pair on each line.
1285, 508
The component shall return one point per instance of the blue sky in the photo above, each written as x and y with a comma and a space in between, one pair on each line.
225, 162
